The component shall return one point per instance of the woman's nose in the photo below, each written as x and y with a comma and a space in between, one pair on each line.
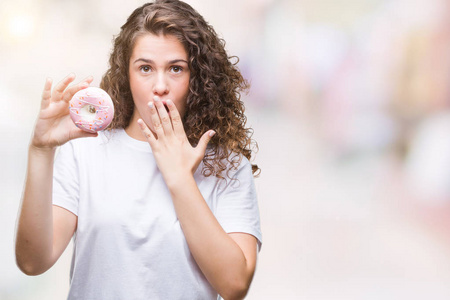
160, 86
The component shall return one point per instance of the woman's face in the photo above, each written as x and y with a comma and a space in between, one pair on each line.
158, 67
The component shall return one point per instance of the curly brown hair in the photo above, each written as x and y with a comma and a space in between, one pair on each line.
214, 99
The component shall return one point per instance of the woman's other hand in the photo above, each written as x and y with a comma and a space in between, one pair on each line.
175, 156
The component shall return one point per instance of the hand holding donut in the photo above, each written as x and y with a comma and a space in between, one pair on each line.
174, 155
54, 126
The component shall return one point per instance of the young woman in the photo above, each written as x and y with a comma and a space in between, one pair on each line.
163, 205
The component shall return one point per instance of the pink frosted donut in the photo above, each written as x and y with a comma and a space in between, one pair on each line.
91, 109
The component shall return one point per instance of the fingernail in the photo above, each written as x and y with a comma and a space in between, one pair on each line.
168, 101
212, 133
156, 98
150, 104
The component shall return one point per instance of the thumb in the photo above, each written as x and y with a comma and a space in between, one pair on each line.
78, 133
204, 140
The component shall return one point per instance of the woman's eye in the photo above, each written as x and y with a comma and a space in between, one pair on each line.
145, 69
177, 69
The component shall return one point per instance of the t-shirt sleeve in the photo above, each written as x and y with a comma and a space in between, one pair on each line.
66, 179
237, 207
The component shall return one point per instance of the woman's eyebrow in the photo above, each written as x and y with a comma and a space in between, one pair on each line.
149, 61
177, 61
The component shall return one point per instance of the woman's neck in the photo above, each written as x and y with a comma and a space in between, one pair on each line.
133, 129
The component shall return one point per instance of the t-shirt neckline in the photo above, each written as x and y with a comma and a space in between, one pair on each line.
123, 136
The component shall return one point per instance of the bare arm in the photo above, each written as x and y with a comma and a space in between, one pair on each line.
44, 230
228, 261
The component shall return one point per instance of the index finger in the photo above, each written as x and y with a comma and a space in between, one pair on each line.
62, 85
177, 123
68, 94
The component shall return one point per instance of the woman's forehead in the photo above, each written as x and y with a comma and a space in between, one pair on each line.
167, 46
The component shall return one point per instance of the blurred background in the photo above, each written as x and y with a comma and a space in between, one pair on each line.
350, 104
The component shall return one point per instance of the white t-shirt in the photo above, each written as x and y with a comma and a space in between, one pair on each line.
129, 243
